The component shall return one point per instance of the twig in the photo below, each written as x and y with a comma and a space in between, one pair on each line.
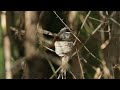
54, 60
55, 72
52, 67
113, 13
45, 31
103, 31
80, 65
110, 17
97, 28
72, 74
101, 14
96, 19
83, 24
113, 20
87, 49
84, 59
48, 48
107, 41
89, 38
23, 31
85, 19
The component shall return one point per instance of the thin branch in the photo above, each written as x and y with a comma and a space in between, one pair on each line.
107, 41
83, 45
101, 14
45, 31
113, 20
52, 67
55, 72
103, 30
85, 19
110, 17
113, 13
80, 65
96, 19
19, 31
84, 59
72, 74
98, 27
48, 48
87, 16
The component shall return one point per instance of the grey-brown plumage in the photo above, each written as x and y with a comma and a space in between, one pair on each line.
64, 34
63, 45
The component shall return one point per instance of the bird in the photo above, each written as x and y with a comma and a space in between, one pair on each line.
63, 44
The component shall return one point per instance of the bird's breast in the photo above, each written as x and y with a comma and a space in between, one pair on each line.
63, 47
